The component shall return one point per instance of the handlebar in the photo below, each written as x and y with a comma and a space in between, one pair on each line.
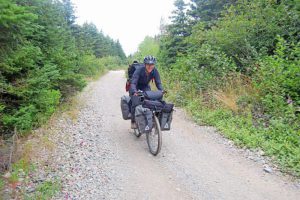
142, 93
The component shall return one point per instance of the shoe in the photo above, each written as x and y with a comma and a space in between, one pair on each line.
133, 125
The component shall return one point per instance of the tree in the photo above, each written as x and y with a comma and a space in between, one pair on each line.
173, 43
44, 57
149, 46
69, 12
208, 11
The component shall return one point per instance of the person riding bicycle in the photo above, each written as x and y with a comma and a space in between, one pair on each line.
141, 79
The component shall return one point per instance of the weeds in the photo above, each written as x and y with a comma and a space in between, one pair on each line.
279, 140
45, 191
22, 167
2, 184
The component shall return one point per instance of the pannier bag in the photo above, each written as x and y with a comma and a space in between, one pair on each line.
166, 115
153, 105
143, 118
125, 107
136, 100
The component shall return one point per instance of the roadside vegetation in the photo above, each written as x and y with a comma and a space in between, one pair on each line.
235, 65
45, 59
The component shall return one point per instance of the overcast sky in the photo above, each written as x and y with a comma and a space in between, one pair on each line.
127, 20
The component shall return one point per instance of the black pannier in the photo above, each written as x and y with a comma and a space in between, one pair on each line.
125, 107
136, 100
166, 116
143, 118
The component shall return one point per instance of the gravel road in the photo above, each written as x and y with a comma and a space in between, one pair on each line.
98, 157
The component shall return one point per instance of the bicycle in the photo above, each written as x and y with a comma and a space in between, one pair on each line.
154, 137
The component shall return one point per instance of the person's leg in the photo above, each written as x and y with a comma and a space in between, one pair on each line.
132, 109
132, 113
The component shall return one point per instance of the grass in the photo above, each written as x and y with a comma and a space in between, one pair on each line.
2, 183
45, 191
226, 109
240, 129
22, 165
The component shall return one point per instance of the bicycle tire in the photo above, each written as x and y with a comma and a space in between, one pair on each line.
156, 131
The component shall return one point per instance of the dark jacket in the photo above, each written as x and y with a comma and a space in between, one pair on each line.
140, 80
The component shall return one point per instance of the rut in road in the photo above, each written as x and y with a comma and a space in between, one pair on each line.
98, 157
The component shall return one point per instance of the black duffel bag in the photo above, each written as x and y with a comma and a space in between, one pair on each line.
153, 95
153, 105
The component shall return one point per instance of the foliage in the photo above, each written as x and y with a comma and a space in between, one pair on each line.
149, 46
23, 166
240, 72
93, 67
282, 87
46, 190
173, 42
45, 57
2, 184
208, 11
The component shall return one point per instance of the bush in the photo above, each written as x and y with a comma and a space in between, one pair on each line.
240, 73
90, 65
22, 119
46, 104
280, 91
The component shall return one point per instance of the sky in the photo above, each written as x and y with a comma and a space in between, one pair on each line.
129, 21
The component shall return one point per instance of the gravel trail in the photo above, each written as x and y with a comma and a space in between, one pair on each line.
98, 157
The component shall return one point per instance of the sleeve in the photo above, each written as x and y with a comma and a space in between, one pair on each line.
157, 80
134, 81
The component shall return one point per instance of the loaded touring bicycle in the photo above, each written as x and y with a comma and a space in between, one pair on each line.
152, 116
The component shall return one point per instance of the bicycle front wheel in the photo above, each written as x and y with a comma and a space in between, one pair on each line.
154, 138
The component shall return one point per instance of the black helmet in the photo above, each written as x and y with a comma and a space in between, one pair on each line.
135, 62
150, 60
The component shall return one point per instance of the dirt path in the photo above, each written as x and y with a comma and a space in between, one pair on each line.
98, 157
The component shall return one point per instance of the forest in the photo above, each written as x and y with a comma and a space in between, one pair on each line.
234, 64
45, 57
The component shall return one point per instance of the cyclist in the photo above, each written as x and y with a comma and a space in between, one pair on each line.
140, 81
130, 72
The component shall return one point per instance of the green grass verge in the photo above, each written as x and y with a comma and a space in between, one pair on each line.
278, 141
45, 191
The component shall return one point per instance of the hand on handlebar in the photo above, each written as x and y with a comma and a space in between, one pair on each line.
138, 93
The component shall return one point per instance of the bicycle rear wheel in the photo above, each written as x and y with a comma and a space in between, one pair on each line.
154, 138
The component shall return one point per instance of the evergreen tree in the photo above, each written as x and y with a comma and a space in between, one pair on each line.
44, 56
174, 41
207, 11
